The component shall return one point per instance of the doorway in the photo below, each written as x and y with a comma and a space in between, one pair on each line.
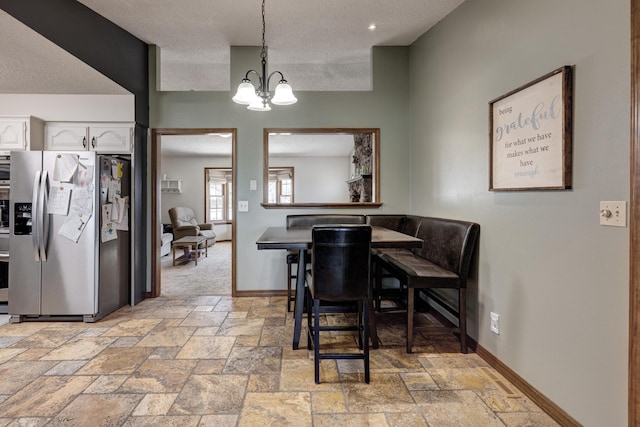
192, 151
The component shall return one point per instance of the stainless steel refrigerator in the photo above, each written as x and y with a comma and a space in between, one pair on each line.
69, 259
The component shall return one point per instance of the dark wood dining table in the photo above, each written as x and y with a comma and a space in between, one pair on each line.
300, 239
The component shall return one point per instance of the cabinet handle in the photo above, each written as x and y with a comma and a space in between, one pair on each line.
84, 142
93, 142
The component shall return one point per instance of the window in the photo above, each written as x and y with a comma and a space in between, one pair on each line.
280, 185
219, 195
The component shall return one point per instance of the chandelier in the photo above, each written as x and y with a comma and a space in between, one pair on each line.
258, 99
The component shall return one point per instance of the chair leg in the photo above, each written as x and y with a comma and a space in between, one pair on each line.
316, 339
365, 333
462, 319
410, 298
291, 291
289, 266
310, 334
360, 320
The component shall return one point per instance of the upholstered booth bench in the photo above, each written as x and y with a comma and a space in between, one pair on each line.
443, 261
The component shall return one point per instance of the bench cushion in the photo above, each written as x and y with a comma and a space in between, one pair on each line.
420, 272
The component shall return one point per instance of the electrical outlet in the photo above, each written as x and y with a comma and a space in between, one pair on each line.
495, 323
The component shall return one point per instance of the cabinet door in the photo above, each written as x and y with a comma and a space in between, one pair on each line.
111, 138
66, 137
13, 135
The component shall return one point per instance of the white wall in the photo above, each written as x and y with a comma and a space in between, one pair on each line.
317, 179
190, 169
558, 279
78, 108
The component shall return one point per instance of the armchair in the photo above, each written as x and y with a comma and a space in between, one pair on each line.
184, 224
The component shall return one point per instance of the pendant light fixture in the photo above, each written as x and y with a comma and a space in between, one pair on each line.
258, 99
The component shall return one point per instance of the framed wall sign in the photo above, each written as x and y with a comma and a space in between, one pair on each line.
530, 135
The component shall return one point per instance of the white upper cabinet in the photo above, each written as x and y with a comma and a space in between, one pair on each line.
66, 137
113, 138
116, 138
21, 133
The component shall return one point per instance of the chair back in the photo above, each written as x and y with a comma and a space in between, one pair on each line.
340, 260
181, 216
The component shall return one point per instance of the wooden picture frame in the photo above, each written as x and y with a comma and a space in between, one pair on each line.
530, 135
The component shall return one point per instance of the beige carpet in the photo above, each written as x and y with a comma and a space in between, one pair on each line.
212, 275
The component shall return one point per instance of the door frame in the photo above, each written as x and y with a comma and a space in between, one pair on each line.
634, 223
156, 236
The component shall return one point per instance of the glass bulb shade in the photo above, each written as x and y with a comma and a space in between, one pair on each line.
284, 95
259, 105
246, 94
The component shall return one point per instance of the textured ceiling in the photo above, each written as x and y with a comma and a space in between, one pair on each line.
32, 64
318, 45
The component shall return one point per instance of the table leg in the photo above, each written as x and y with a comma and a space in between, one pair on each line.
410, 298
299, 302
173, 249
194, 251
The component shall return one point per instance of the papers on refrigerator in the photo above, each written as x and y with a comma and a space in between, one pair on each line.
107, 230
82, 200
59, 197
65, 166
73, 226
84, 176
120, 213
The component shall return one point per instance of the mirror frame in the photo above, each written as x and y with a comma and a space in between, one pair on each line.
375, 191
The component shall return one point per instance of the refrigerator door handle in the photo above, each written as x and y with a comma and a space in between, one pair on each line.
44, 215
35, 222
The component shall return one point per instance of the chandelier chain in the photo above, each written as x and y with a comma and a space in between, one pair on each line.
264, 52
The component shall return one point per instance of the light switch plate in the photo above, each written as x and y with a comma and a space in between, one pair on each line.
613, 213
495, 323
253, 185
243, 206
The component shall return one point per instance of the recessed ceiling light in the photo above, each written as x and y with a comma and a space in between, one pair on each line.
372, 27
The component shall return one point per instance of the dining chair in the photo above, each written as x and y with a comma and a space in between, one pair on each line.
339, 283
307, 221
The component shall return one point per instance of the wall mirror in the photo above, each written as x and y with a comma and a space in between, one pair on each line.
321, 168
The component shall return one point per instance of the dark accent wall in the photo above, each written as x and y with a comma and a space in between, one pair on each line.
121, 57
141, 207
94, 40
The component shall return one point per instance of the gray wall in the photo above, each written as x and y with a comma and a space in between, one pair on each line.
385, 107
557, 278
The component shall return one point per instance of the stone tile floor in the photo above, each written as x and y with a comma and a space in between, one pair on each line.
222, 361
